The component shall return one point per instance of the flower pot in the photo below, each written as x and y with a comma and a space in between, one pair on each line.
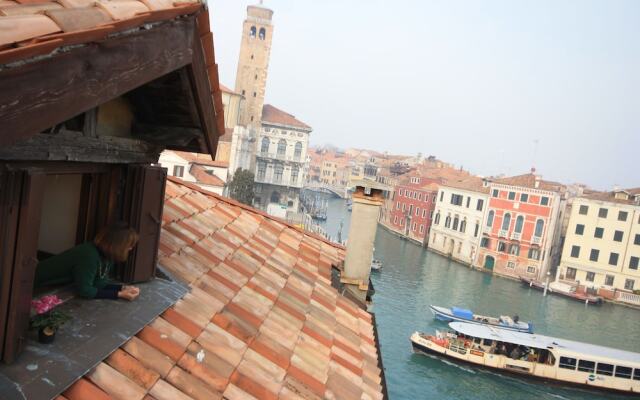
46, 335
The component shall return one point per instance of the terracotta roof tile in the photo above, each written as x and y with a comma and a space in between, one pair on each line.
18, 28
148, 356
115, 384
132, 369
83, 389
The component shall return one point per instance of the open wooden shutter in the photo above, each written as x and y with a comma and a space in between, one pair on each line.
20, 207
144, 201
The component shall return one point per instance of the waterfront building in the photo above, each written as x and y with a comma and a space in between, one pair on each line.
601, 250
460, 210
412, 208
521, 230
280, 161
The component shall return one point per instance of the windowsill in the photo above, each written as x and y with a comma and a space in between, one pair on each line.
97, 328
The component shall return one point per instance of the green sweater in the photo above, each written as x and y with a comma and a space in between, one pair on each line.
82, 265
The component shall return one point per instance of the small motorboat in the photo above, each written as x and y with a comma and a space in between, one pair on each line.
376, 265
562, 289
464, 315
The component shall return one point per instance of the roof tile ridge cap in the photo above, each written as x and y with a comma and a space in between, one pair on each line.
253, 210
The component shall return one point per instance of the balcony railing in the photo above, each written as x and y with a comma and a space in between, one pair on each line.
281, 157
516, 235
502, 233
536, 240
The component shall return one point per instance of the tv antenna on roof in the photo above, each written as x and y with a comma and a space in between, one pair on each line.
535, 152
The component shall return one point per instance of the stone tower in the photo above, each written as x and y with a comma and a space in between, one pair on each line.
251, 77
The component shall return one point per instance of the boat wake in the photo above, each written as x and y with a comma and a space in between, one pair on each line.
469, 370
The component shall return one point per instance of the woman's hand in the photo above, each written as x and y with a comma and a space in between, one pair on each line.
129, 293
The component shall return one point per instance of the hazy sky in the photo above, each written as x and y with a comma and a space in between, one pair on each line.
474, 83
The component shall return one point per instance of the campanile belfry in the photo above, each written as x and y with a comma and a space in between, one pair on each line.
253, 64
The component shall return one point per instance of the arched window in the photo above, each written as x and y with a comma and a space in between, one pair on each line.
297, 153
456, 220
539, 228
263, 33
252, 32
437, 220
463, 225
490, 219
519, 222
506, 222
264, 147
294, 175
447, 221
282, 147
275, 197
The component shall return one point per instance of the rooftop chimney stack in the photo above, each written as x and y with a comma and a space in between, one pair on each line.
367, 199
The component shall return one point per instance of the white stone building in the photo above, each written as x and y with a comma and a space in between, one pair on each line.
197, 168
602, 243
456, 228
281, 159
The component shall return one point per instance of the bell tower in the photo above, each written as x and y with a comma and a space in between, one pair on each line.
251, 77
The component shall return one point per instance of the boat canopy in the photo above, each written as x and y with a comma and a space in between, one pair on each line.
543, 342
461, 313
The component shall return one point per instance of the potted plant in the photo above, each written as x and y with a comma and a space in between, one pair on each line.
46, 319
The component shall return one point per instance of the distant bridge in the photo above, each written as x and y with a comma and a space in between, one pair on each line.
339, 191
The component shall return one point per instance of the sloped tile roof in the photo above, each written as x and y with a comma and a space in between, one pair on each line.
529, 181
203, 177
262, 320
473, 184
273, 115
199, 158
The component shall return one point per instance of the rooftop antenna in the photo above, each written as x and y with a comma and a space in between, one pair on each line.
535, 153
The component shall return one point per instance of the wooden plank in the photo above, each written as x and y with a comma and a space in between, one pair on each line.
179, 136
145, 201
85, 77
74, 146
201, 89
24, 265
10, 187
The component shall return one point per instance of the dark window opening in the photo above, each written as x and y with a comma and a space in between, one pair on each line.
586, 366
604, 369
567, 363
623, 372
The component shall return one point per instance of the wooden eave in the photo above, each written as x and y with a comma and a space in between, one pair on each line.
38, 93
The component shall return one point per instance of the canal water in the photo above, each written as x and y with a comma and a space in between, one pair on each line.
413, 278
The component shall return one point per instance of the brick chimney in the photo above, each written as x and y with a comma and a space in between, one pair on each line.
367, 199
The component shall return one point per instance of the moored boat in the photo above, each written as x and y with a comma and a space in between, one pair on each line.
535, 356
376, 265
464, 315
562, 289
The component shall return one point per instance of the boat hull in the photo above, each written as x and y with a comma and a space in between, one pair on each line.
441, 315
419, 348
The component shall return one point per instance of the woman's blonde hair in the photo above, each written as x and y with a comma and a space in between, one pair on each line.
115, 241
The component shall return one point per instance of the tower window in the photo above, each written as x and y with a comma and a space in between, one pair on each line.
252, 118
243, 92
254, 94
252, 32
263, 33
255, 77
252, 56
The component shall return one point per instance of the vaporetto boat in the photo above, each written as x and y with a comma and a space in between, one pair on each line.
535, 356
464, 315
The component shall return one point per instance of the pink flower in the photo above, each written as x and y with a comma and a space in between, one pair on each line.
46, 303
